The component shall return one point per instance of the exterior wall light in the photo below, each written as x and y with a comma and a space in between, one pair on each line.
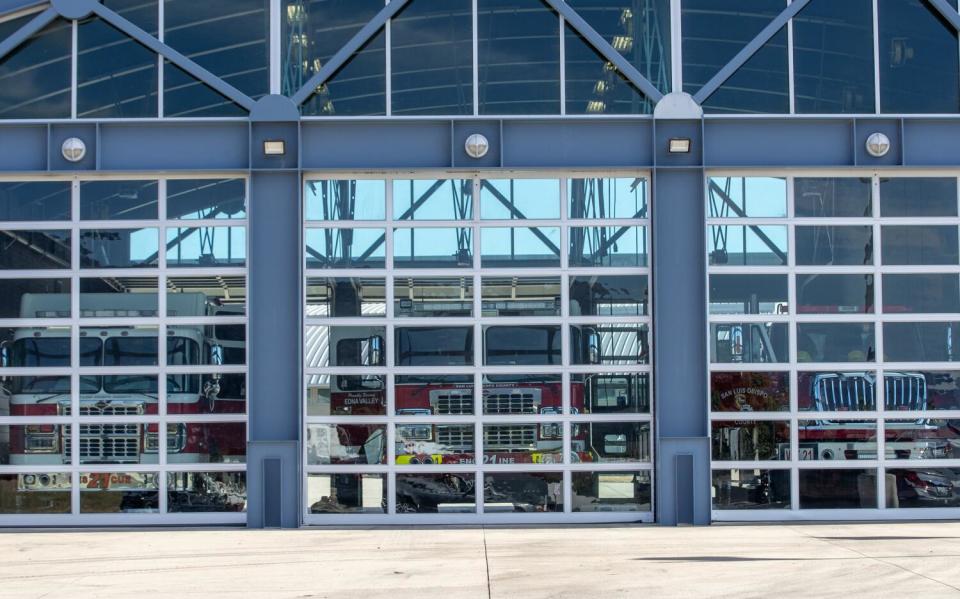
274, 148
679, 145
878, 145
476, 146
73, 149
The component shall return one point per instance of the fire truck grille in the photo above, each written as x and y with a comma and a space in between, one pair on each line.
455, 436
844, 393
510, 436
107, 443
111, 410
452, 402
511, 402
905, 391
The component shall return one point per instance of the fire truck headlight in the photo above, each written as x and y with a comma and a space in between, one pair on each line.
551, 430
415, 432
29, 479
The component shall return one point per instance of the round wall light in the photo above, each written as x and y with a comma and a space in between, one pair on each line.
477, 146
878, 145
73, 149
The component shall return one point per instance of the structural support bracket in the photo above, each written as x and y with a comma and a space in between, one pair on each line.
24, 33
947, 11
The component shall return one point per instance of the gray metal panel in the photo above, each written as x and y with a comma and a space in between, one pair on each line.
949, 12
7, 6
379, 144
931, 142
864, 128
174, 145
289, 133
668, 482
270, 503
778, 142
676, 129
577, 143
13, 41
464, 129
23, 148
86, 132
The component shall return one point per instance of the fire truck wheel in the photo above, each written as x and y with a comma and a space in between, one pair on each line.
405, 505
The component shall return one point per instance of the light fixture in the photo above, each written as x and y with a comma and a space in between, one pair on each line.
73, 149
476, 146
274, 147
596, 106
679, 145
878, 145
622, 43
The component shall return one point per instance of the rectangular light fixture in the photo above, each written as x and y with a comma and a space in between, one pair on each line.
274, 148
679, 145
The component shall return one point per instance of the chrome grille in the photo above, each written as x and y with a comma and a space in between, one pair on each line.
509, 436
96, 408
511, 401
905, 391
452, 401
107, 443
455, 436
844, 392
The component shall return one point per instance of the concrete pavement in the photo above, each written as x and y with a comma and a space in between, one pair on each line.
800, 560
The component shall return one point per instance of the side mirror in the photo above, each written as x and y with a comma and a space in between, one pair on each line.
593, 348
375, 355
4, 355
216, 355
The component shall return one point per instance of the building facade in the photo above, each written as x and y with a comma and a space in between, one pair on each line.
263, 262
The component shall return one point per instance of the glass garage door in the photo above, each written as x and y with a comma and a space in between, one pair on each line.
477, 348
123, 350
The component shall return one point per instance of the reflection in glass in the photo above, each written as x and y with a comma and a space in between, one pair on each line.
34, 200
34, 250
608, 246
610, 393
522, 394
36, 444
115, 443
344, 346
741, 197
35, 493
748, 342
345, 297
749, 391
35, 77
445, 247
345, 248
923, 439
517, 443
921, 341
521, 345
118, 200
754, 489
518, 58
345, 199
193, 492
919, 245
119, 248
204, 199
835, 342
346, 395
750, 440
433, 297
116, 298
837, 439
217, 295
834, 246
922, 390
611, 491
519, 199
613, 295
748, 294
347, 493
595, 86
752, 245
436, 493
921, 293
832, 197
521, 296
433, 199
599, 198
433, 346
923, 487
346, 444
835, 294
432, 58
39, 347
120, 346
837, 391
611, 442
22, 393
522, 492
24, 298
186, 97
915, 196
838, 489
215, 442
209, 393
206, 246
610, 344
440, 394
119, 492
425, 443
511, 247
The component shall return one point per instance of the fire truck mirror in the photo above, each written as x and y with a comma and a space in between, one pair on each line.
375, 350
4, 355
593, 348
216, 355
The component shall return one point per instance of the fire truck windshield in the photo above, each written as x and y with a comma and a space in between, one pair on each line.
527, 346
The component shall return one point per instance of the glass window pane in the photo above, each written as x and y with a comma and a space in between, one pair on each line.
116, 76
34, 200
753, 245
621, 246
921, 293
517, 247
522, 492
611, 491
345, 248
36, 445
346, 444
920, 341
739, 197
23, 393
206, 296
439, 394
609, 344
44, 347
837, 391
433, 346
118, 298
118, 200
834, 246
351, 346
518, 199
521, 296
922, 390
749, 391
120, 346
750, 440
923, 439
919, 64
607, 198
347, 493
837, 439
748, 342
923, 487
345, 199
919, 245
114, 443
35, 250
835, 294
425, 443
346, 297
35, 493
217, 393
738, 489
195, 199
838, 489
118, 248
433, 199
119, 492
918, 197
748, 294
835, 342
833, 57
521, 345
832, 197
432, 58
522, 394
614, 295
185, 97
195, 492
346, 395
433, 247
610, 393
30, 298
35, 77
432, 297
518, 57
213, 442
610, 442
436, 493
206, 246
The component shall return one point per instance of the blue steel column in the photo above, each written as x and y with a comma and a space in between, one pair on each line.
679, 329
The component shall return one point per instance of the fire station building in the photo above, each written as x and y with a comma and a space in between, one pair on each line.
280, 263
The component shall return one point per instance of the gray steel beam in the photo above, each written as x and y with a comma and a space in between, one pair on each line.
11, 6
24, 33
200, 73
947, 11
606, 50
346, 52
749, 50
